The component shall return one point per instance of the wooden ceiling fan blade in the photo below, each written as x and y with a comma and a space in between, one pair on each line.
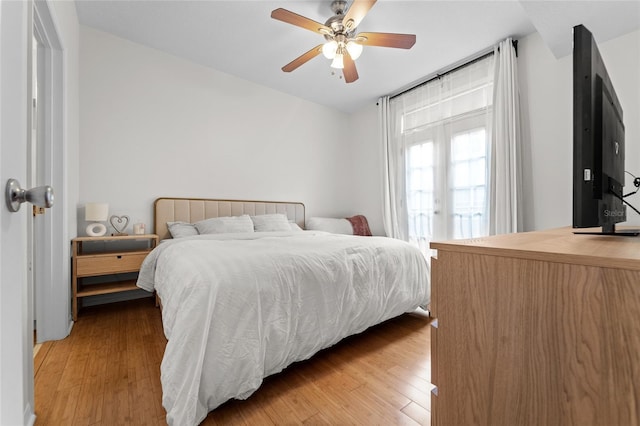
289, 17
356, 13
302, 59
349, 70
402, 41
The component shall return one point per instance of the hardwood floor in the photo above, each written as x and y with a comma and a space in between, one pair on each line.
107, 372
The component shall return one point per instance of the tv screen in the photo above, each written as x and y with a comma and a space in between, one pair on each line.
598, 141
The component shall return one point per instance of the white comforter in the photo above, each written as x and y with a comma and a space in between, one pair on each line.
239, 307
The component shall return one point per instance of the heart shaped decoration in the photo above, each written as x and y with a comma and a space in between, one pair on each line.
119, 223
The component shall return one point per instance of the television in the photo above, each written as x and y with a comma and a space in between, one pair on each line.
598, 142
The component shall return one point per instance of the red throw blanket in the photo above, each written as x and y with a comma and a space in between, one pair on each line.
360, 225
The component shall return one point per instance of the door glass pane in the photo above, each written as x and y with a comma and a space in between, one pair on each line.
468, 183
420, 191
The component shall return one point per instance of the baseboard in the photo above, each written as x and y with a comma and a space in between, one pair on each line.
29, 416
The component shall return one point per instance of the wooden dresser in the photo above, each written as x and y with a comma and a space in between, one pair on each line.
538, 328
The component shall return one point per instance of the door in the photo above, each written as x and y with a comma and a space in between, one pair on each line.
16, 339
447, 194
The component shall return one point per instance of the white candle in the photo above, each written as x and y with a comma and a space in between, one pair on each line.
138, 228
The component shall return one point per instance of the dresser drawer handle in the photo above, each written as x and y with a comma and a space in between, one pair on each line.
119, 257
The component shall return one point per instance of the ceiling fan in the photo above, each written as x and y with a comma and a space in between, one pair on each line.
343, 45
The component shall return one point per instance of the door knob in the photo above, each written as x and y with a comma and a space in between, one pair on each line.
41, 196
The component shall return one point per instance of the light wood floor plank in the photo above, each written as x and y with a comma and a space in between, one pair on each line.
369, 371
418, 413
380, 408
39, 355
90, 402
107, 372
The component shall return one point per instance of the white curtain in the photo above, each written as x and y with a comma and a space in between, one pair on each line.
394, 209
505, 213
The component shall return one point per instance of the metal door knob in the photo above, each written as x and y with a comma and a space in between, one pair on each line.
41, 196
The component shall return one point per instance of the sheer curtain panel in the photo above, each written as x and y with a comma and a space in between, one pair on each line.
394, 211
506, 176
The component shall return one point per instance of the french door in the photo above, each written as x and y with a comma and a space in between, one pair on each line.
446, 180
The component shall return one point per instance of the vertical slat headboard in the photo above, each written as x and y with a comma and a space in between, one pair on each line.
196, 209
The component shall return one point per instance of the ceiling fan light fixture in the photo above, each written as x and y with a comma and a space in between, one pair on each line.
329, 49
341, 45
354, 49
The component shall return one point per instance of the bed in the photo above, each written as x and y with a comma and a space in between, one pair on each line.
240, 306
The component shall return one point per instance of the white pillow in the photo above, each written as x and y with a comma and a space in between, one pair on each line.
294, 226
271, 223
227, 224
181, 229
329, 224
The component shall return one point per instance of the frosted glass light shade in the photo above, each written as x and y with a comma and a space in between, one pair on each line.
329, 49
96, 212
354, 49
337, 61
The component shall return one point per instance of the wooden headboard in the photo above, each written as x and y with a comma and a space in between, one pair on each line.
196, 209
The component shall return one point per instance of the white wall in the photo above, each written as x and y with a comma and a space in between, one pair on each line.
546, 88
546, 102
367, 163
154, 125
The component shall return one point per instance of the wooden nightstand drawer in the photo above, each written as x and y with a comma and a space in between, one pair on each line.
103, 264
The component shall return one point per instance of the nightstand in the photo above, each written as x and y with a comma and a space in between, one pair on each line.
92, 259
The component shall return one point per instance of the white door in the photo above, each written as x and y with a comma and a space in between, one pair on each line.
16, 341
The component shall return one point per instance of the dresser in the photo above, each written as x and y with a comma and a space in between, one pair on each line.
538, 328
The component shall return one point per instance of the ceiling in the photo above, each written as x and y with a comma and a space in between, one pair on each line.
239, 37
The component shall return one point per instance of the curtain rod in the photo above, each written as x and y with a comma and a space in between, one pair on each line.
467, 61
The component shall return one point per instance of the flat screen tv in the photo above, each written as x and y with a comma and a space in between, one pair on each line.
598, 142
